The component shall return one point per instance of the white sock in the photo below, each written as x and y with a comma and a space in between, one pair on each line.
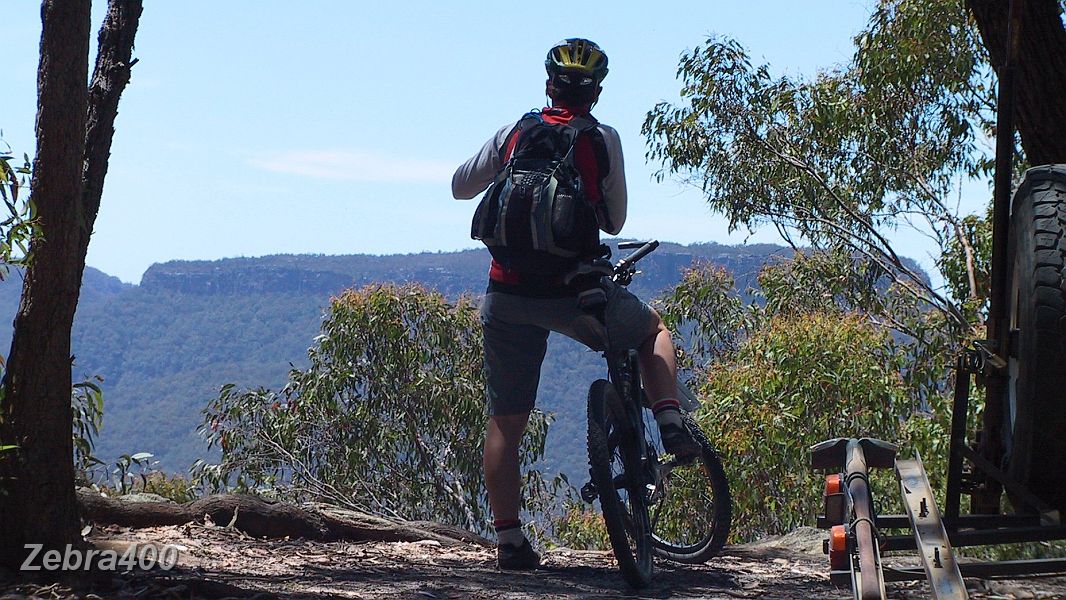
512, 536
667, 412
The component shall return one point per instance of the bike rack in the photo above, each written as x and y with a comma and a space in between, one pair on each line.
856, 544
856, 539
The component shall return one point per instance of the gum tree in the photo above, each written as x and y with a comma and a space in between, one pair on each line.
843, 159
388, 418
75, 126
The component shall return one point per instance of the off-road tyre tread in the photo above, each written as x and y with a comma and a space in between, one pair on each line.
1037, 449
723, 505
610, 505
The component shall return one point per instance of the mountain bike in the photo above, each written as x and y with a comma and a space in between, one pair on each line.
653, 504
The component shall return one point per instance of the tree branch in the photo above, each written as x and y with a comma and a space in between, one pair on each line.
110, 76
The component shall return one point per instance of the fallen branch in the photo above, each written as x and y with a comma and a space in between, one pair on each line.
261, 518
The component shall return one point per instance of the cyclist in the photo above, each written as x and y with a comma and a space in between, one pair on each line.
520, 309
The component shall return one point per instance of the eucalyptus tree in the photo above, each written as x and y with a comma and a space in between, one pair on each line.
843, 159
75, 126
388, 418
840, 162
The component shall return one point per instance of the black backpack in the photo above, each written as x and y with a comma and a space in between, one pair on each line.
535, 217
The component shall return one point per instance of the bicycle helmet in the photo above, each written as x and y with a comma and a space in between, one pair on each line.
577, 61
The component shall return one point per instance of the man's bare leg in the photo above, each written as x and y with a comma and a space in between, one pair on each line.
503, 480
658, 364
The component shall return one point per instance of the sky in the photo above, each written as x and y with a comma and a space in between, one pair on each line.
333, 127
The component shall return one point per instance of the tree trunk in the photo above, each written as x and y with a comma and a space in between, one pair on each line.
38, 505
37, 502
1040, 72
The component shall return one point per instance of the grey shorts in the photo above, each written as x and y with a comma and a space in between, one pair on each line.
516, 332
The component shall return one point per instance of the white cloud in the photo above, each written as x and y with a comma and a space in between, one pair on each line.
356, 165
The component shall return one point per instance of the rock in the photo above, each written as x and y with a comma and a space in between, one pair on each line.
804, 540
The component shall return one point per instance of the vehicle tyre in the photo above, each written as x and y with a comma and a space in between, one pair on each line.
1036, 392
614, 463
691, 517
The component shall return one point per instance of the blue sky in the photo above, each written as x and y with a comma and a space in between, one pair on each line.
255, 128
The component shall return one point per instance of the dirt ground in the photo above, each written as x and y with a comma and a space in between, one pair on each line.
216, 562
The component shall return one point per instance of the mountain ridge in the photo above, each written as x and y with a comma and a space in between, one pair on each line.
164, 347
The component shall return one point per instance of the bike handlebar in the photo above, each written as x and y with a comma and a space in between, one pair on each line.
645, 249
622, 271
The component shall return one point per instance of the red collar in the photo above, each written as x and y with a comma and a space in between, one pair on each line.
562, 114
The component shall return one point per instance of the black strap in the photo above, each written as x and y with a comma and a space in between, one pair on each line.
577, 125
516, 130
584, 123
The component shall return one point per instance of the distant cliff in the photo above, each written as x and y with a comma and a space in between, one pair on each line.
450, 272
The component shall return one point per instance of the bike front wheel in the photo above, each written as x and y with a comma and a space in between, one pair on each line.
615, 452
691, 509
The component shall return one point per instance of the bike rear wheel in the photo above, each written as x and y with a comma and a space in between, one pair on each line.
691, 509
614, 443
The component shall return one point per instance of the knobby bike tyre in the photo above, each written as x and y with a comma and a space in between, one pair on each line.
692, 516
1036, 401
613, 451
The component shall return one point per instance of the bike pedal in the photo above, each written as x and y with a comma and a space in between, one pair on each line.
589, 492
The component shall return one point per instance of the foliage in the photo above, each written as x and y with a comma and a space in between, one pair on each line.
121, 476
19, 227
173, 487
843, 159
21, 224
87, 407
551, 507
796, 382
127, 470
581, 527
706, 308
804, 365
388, 417
927, 340
971, 279
847, 337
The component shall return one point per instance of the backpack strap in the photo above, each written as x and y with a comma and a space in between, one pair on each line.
511, 140
584, 123
578, 125
573, 129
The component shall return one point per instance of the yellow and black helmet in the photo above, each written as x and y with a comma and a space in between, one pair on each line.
577, 61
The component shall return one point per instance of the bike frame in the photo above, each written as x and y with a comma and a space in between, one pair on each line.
622, 365
624, 374
623, 455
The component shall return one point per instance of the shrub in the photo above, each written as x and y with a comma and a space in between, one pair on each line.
389, 417
810, 359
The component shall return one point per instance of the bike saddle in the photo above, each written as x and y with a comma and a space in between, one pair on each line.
598, 266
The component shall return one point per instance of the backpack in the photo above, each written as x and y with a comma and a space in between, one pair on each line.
535, 217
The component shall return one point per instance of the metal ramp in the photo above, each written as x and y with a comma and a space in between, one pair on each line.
930, 536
